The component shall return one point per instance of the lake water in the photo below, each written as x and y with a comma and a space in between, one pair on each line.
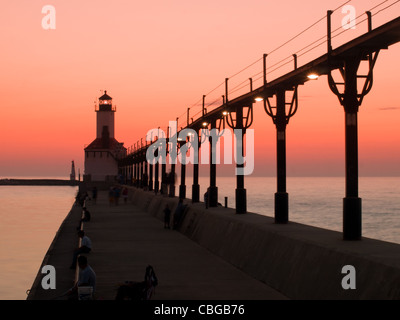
29, 219
318, 201
31, 216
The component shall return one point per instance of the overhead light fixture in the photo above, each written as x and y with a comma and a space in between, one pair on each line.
258, 99
313, 76
225, 113
205, 124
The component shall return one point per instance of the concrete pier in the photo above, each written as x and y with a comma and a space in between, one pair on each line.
126, 239
217, 254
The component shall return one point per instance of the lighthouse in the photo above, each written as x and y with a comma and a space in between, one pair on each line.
102, 155
72, 175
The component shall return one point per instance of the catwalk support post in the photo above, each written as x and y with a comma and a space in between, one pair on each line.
351, 99
281, 114
213, 189
196, 186
281, 196
240, 123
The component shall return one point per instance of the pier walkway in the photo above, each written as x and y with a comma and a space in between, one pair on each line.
126, 239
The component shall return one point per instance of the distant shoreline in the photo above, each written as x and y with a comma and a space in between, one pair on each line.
38, 182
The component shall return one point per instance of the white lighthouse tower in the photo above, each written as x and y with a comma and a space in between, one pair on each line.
101, 156
105, 116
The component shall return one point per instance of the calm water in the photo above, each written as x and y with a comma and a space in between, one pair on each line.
30, 216
318, 201
29, 220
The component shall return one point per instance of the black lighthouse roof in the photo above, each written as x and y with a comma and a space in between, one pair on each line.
105, 96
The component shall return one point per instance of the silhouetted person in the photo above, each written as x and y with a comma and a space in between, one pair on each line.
135, 290
86, 247
85, 199
178, 213
167, 217
86, 217
117, 193
206, 199
94, 195
125, 194
80, 198
87, 278
111, 196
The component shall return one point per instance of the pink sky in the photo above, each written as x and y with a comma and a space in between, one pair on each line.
158, 58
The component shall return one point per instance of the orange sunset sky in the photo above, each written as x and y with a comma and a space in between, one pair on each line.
157, 58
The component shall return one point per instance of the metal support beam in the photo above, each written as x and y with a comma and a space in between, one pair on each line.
351, 203
281, 196
196, 186
280, 117
137, 175
213, 189
141, 174
329, 31
240, 192
151, 168
163, 177
156, 180
172, 181
145, 174
182, 187
134, 173
351, 100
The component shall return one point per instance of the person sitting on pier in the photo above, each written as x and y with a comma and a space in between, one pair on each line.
86, 217
87, 278
80, 198
86, 247
136, 291
206, 199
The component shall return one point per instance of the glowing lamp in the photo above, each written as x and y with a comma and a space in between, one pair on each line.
313, 76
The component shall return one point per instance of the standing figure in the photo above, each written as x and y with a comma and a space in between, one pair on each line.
125, 194
167, 217
94, 194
